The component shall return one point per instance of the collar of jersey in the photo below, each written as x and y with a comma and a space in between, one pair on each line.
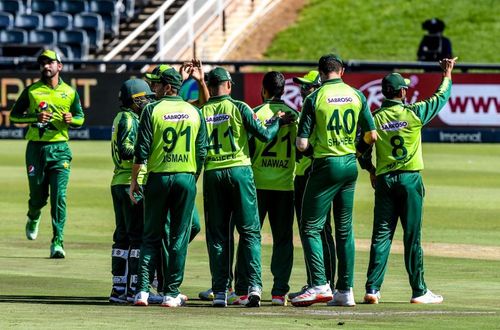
273, 101
220, 97
332, 81
390, 103
129, 110
171, 97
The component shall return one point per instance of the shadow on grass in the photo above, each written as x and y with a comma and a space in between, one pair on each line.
63, 300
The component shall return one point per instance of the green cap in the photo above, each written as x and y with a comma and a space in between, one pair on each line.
154, 76
50, 54
172, 77
133, 88
394, 82
310, 78
218, 75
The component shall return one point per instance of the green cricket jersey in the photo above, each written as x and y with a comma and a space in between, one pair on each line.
230, 124
273, 163
399, 146
330, 117
123, 136
40, 97
171, 137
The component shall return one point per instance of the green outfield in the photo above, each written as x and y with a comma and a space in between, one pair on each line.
461, 238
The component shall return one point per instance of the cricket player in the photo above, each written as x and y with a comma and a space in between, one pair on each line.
192, 69
399, 190
273, 165
308, 84
229, 189
328, 123
127, 237
49, 106
172, 139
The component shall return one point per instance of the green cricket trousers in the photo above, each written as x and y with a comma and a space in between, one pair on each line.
230, 201
164, 193
48, 166
327, 241
332, 179
127, 238
278, 205
397, 195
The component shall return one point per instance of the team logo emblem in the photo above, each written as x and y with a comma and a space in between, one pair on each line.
64, 95
43, 106
66, 165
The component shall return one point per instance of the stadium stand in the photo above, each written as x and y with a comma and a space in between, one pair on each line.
77, 40
44, 37
94, 26
44, 6
6, 20
12, 6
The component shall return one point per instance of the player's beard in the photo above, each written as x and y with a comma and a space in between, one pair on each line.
48, 74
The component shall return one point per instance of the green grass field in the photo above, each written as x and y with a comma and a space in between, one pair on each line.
462, 215
388, 30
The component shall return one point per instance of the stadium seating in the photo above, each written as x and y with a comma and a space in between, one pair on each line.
73, 6
46, 37
58, 21
12, 6
108, 10
44, 6
93, 24
14, 36
29, 21
77, 40
74, 26
6, 20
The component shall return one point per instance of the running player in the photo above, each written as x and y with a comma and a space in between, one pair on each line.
273, 165
399, 190
127, 237
50, 107
172, 139
328, 122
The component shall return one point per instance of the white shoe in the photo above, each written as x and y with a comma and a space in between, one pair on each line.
343, 298
220, 299
254, 296
206, 295
178, 301
313, 295
292, 295
141, 299
427, 298
372, 297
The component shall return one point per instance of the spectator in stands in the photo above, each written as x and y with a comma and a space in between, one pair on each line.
50, 107
434, 46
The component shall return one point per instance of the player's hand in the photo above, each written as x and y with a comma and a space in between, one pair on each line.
285, 118
67, 117
447, 65
186, 69
135, 192
197, 70
44, 116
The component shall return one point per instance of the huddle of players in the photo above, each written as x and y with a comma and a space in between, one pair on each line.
260, 162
